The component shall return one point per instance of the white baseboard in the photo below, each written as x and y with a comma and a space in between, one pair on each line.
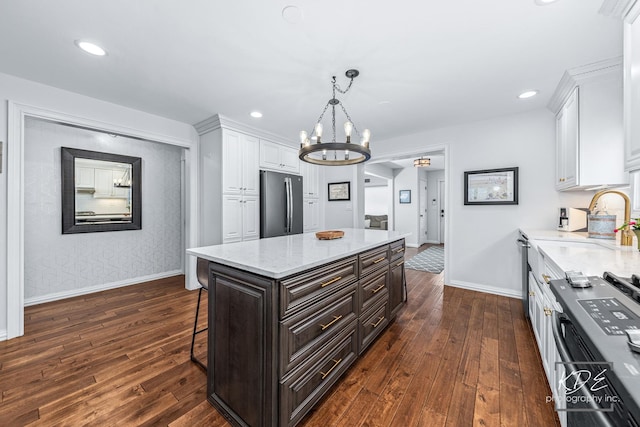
432, 241
485, 288
411, 245
91, 289
3, 334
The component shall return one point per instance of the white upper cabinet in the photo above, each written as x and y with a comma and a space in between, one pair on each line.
240, 159
311, 180
84, 177
567, 142
589, 127
278, 157
632, 88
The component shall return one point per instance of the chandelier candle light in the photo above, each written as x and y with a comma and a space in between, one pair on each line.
335, 153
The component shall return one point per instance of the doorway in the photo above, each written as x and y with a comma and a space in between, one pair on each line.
441, 211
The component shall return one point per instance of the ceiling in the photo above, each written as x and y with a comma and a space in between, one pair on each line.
423, 64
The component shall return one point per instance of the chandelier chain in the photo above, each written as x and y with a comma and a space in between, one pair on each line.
344, 110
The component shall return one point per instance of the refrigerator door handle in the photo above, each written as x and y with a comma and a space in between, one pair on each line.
287, 187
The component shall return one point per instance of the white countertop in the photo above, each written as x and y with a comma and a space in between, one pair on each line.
575, 251
279, 257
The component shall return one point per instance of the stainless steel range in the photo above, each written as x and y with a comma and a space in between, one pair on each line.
594, 335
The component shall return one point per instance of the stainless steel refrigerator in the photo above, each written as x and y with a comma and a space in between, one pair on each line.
280, 204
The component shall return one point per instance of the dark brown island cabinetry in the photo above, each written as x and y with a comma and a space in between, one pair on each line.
276, 346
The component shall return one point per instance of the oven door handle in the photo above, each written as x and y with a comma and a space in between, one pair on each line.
566, 357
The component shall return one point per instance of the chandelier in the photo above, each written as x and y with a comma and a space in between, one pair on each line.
421, 162
335, 153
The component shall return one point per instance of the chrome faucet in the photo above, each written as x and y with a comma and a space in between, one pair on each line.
626, 236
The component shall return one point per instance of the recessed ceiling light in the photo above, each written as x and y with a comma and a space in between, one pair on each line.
528, 94
256, 114
91, 48
544, 2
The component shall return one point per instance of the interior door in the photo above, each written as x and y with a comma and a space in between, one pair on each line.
441, 205
423, 212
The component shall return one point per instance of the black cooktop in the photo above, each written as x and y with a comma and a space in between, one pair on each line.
589, 309
610, 315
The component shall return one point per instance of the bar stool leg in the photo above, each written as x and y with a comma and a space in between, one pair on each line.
196, 332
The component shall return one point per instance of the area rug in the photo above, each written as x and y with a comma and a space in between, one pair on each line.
430, 260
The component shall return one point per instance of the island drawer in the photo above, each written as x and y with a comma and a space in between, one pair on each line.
374, 259
298, 292
303, 333
372, 288
396, 250
373, 323
308, 383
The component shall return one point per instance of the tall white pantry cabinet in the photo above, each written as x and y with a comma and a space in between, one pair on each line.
231, 156
229, 182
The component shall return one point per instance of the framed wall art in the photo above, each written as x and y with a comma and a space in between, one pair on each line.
491, 187
405, 196
339, 191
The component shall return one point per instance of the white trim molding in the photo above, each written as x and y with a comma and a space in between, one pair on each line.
15, 197
575, 76
616, 8
484, 288
98, 288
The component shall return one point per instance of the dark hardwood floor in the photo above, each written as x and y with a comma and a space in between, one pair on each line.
453, 357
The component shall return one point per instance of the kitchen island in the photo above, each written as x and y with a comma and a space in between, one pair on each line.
288, 316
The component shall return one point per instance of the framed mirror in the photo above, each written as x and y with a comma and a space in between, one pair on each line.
100, 191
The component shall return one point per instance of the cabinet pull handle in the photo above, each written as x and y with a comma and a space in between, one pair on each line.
399, 264
399, 250
335, 363
335, 319
548, 311
376, 290
335, 279
375, 261
546, 278
380, 319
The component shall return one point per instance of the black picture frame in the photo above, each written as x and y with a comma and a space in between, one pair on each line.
491, 187
404, 196
339, 191
69, 224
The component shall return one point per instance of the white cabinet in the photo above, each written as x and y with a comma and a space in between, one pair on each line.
85, 177
311, 180
240, 174
104, 188
240, 218
311, 196
589, 127
567, 142
311, 215
278, 157
632, 88
228, 182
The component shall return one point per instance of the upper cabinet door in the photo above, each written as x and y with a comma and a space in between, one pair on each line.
570, 142
278, 157
290, 160
251, 165
232, 159
269, 155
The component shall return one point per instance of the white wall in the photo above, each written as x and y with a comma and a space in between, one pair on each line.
344, 214
481, 249
61, 265
406, 214
61, 101
376, 200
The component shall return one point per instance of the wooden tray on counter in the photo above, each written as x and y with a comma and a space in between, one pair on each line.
329, 234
